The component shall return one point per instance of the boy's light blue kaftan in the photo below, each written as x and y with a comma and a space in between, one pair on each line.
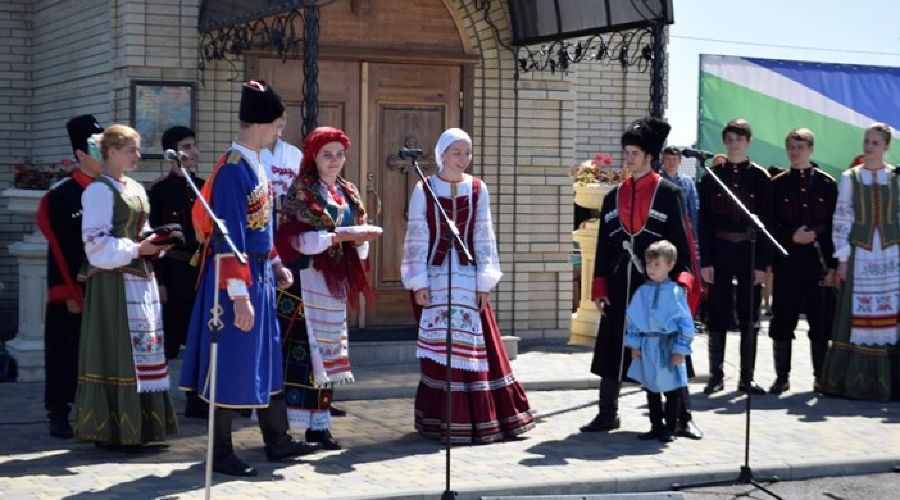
659, 323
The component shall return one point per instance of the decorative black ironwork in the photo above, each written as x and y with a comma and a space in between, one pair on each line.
233, 29
640, 49
311, 71
228, 43
630, 49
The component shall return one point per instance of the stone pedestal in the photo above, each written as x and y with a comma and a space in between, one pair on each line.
31, 253
586, 319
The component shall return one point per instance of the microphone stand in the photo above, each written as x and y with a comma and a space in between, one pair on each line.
448, 494
215, 323
746, 473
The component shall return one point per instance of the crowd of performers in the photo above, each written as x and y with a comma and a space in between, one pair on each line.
132, 278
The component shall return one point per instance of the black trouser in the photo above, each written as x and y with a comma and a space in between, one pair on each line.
796, 290
273, 423
664, 418
609, 397
176, 318
62, 331
721, 309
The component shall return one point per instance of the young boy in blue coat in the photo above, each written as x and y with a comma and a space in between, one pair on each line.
658, 330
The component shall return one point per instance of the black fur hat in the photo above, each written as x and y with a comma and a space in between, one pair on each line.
259, 103
80, 128
648, 133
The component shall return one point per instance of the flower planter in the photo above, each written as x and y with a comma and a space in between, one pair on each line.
586, 319
31, 255
591, 195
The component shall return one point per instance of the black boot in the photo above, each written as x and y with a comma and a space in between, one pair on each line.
716, 360
781, 352
607, 418
748, 363
273, 423
194, 407
59, 424
324, 438
224, 459
818, 349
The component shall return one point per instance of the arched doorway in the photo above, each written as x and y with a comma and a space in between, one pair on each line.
391, 73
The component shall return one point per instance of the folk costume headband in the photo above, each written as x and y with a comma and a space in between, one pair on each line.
449, 136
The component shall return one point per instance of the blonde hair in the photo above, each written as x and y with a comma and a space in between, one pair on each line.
117, 136
882, 128
662, 249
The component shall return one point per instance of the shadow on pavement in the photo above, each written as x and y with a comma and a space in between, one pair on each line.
409, 444
594, 446
809, 406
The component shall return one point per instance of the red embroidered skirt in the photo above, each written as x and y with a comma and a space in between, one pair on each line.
486, 406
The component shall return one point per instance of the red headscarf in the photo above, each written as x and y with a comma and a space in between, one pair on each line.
304, 210
316, 141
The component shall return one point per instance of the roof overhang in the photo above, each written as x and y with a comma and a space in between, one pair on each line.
538, 21
216, 14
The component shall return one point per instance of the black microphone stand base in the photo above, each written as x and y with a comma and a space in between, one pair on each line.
745, 477
448, 495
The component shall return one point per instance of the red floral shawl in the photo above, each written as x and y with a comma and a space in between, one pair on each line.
304, 210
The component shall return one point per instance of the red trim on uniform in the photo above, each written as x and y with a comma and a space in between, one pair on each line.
599, 289
686, 279
634, 215
231, 269
69, 289
60, 293
82, 178
695, 292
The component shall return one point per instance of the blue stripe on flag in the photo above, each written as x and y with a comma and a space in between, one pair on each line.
872, 92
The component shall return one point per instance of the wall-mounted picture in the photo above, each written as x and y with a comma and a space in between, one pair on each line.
156, 106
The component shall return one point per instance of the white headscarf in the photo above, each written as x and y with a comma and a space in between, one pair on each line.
449, 136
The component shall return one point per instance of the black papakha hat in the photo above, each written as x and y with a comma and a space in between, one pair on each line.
259, 103
80, 128
648, 133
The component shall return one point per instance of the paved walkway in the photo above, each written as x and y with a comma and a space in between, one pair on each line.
795, 436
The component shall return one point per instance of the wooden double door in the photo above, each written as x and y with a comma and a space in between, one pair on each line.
382, 107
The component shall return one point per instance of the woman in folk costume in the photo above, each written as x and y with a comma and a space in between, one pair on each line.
123, 380
488, 404
323, 234
863, 361
643, 209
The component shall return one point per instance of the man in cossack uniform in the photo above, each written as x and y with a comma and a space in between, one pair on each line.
643, 209
250, 373
805, 198
171, 200
725, 235
59, 218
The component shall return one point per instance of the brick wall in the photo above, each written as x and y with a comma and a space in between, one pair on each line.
527, 134
16, 21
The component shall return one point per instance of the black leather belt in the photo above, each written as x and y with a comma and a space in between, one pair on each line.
733, 237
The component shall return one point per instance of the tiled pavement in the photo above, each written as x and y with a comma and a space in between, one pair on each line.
794, 436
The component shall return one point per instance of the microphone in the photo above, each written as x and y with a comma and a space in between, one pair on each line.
171, 155
697, 153
410, 153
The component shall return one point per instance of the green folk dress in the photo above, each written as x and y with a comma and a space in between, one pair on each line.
123, 380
